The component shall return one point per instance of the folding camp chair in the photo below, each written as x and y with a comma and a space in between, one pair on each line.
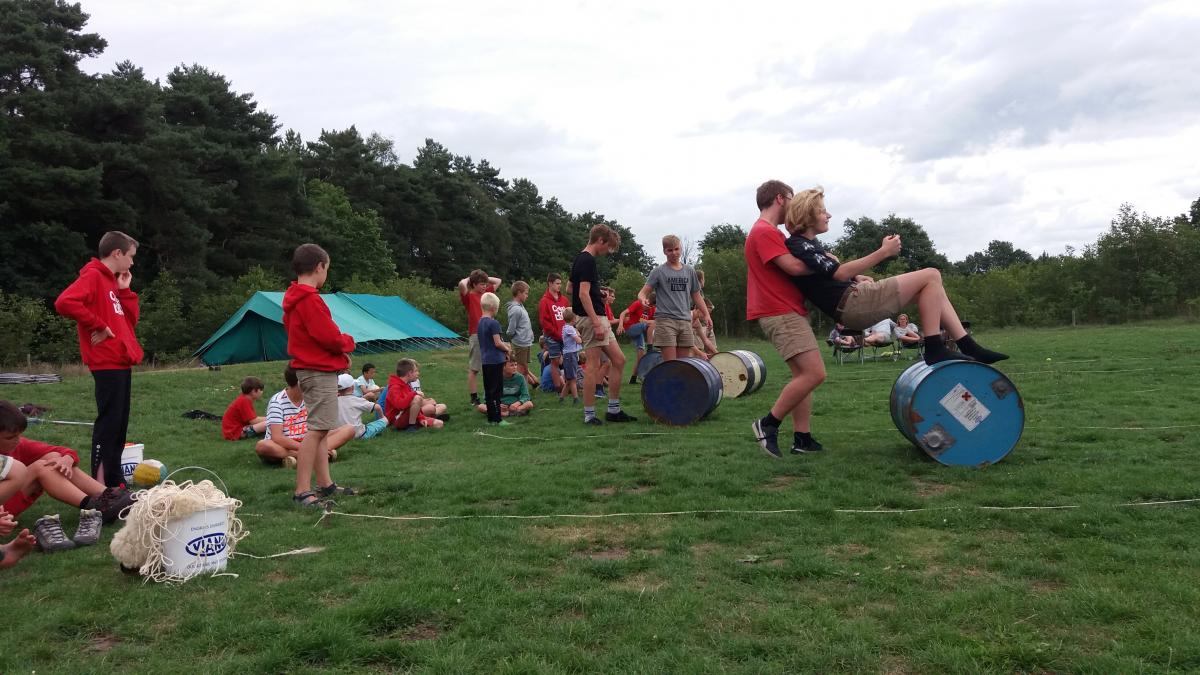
842, 352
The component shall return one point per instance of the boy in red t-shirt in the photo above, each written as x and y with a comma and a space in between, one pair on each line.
470, 290
240, 420
404, 408
319, 351
51, 469
637, 321
105, 312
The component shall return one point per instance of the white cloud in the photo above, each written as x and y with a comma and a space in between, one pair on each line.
1020, 121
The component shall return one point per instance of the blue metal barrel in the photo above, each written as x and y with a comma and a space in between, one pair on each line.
647, 363
742, 372
961, 413
681, 391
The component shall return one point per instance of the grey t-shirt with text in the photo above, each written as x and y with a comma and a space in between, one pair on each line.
673, 289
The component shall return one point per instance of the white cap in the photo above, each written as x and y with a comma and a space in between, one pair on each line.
345, 381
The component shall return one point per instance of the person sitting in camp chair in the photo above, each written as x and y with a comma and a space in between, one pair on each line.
906, 334
837, 339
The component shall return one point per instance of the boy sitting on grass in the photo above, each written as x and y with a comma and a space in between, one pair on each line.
351, 409
240, 420
287, 425
404, 408
364, 386
514, 393
52, 469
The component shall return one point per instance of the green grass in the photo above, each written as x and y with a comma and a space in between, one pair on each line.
1101, 588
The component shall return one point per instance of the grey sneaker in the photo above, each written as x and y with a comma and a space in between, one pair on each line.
88, 532
50, 536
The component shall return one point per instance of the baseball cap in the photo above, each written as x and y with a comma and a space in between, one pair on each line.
345, 381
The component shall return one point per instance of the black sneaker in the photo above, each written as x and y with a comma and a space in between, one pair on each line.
594, 421
112, 502
619, 416
811, 446
768, 438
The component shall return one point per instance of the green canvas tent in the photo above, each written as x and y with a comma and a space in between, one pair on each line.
377, 323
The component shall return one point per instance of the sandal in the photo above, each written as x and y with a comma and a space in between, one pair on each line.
308, 499
335, 489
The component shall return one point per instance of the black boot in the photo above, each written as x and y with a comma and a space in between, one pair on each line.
971, 348
936, 352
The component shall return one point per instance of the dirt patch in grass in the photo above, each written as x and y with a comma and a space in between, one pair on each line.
846, 551
607, 491
895, 665
779, 483
499, 504
641, 583
102, 643
929, 488
418, 632
639, 489
277, 576
704, 549
622, 531
614, 553
1046, 586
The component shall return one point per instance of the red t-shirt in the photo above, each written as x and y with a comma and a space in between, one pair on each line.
27, 452
237, 416
769, 290
470, 300
635, 310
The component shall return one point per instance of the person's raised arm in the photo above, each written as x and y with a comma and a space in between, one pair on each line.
494, 281
851, 269
791, 265
463, 287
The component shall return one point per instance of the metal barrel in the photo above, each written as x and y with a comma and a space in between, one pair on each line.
682, 391
648, 362
743, 372
961, 413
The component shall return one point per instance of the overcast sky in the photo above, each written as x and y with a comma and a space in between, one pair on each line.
1024, 121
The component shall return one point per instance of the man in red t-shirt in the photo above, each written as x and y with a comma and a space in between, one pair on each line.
778, 305
470, 290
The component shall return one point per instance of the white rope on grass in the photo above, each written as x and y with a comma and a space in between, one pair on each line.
298, 551
696, 512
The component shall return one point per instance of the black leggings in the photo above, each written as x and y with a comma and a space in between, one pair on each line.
493, 387
113, 389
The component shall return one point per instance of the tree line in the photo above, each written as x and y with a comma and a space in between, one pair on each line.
219, 195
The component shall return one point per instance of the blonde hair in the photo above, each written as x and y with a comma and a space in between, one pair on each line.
804, 208
568, 315
519, 287
489, 301
671, 240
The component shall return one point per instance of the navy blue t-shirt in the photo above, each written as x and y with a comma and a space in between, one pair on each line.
488, 352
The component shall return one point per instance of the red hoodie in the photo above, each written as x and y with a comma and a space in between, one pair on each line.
550, 315
94, 302
314, 340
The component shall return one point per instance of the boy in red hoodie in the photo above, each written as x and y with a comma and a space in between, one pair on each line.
106, 312
319, 351
550, 317
404, 408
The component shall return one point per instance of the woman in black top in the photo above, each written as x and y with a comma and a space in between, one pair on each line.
845, 294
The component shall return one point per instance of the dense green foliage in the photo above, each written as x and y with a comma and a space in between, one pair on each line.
781, 581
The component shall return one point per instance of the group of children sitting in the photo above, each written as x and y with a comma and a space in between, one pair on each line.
279, 433
29, 469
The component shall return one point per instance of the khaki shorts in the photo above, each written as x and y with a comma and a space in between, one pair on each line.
871, 302
673, 332
320, 397
790, 333
474, 360
584, 326
520, 354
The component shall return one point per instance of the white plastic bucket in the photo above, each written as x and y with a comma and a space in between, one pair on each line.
130, 458
196, 544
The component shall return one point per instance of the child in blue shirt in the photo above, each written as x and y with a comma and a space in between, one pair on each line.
493, 353
572, 343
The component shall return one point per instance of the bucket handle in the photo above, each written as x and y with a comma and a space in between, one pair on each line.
200, 468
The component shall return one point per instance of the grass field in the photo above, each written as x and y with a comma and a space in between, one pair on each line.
1103, 587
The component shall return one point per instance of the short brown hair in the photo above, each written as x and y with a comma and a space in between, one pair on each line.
405, 366
804, 208
568, 315
604, 233
553, 277
251, 384
115, 241
671, 240
11, 418
306, 258
768, 191
519, 287
477, 277
652, 297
